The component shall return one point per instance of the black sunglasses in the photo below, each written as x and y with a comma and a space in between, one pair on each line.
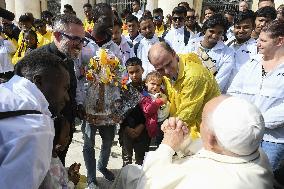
157, 18
176, 18
190, 17
76, 39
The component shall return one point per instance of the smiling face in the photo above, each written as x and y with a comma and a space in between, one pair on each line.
243, 30
266, 45
213, 35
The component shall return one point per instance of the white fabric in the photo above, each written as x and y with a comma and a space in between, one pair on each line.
137, 39
230, 32
25, 141
126, 51
138, 14
266, 93
80, 89
142, 53
204, 170
164, 110
244, 53
6, 50
223, 57
245, 130
175, 38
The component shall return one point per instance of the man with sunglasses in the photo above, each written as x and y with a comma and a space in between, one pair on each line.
68, 38
178, 36
191, 24
44, 36
158, 17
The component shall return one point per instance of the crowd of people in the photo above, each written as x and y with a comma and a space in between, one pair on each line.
210, 97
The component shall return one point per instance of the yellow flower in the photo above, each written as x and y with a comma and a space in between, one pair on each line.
93, 63
103, 56
113, 62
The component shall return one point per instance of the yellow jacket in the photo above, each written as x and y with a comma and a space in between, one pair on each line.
44, 39
189, 93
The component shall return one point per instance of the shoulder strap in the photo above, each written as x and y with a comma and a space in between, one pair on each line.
130, 44
161, 39
8, 114
186, 36
165, 33
136, 48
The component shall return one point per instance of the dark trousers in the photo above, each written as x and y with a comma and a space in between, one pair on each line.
140, 146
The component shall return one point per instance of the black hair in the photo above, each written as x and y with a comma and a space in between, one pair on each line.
125, 12
158, 10
230, 12
267, 12
147, 12
145, 17
117, 22
33, 33
87, 5
179, 10
210, 8
241, 16
265, 0
67, 6
216, 19
25, 18
45, 14
132, 18
101, 9
39, 63
275, 29
136, 1
39, 21
184, 4
6, 14
134, 61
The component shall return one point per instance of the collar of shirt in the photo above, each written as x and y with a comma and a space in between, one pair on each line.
123, 41
179, 30
151, 41
227, 159
30, 93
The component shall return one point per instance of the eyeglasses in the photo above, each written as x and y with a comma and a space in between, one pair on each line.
190, 17
176, 18
77, 40
157, 18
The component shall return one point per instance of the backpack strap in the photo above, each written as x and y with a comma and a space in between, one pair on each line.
130, 44
8, 114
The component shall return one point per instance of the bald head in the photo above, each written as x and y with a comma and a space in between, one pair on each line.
231, 125
243, 6
164, 59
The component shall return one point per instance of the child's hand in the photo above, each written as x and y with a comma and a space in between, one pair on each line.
73, 173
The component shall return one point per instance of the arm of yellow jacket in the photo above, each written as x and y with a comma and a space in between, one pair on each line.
159, 170
192, 99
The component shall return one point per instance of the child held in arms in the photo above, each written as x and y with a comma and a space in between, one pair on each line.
133, 134
155, 106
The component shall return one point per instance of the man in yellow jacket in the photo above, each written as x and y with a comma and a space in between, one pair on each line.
188, 84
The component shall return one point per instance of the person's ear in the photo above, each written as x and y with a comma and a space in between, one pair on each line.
37, 80
57, 35
281, 41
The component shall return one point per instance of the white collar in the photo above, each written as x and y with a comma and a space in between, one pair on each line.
151, 41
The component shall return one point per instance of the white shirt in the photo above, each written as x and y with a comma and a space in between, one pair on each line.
26, 141
138, 14
142, 53
243, 53
223, 57
126, 51
175, 38
230, 32
265, 92
137, 39
6, 50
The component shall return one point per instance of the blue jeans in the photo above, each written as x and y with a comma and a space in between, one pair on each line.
107, 134
274, 152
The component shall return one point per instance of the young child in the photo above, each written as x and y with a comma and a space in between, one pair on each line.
155, 106
133, 134
58, 176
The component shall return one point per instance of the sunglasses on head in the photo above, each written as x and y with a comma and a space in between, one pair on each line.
176, 18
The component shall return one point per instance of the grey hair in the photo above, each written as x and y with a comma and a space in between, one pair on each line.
62, 22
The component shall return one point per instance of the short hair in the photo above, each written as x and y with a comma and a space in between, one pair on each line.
216, 19
25, 18
136, 1
132, 18
39, 21
265, 0
39, 63
267, 12
275, 29
117, 22
68, 6
147, 12
62, 22
153, 75
179, 10
184, 4
230, 12
87, 5
45, 14
125, 12
210, 8
158, 11
33, 33
241, 16
134, 61
145, 17
101, 9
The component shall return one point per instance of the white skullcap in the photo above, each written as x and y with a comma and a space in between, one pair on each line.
238, 125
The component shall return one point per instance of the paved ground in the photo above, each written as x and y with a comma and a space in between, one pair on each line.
75, 155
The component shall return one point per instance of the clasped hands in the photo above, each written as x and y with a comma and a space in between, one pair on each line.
175, 131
